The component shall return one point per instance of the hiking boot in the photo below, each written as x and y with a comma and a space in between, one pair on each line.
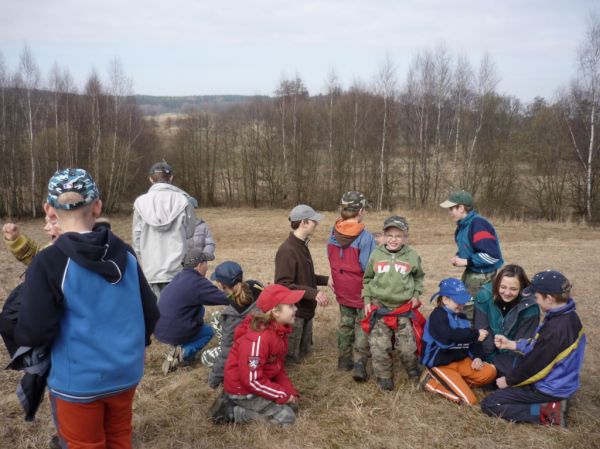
553, 413
385, 384
173, 359
414, 374
359, 373
54, 442
345, 363
221, 410
426, 376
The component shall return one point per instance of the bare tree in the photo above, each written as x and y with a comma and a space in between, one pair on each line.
385, 85
30, 79
585, 95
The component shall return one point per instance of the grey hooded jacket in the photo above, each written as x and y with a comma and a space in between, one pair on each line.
163, 220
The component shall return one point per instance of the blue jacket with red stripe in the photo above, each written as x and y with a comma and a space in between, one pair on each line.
478, 242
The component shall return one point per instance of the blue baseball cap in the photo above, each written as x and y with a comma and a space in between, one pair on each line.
453, 289
548, 282
75, 180
228, 273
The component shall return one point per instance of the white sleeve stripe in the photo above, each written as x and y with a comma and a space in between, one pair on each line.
255, 352
487, 258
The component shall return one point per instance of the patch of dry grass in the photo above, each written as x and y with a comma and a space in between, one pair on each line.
335, 412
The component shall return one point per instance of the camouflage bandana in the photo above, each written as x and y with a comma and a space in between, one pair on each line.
72, 180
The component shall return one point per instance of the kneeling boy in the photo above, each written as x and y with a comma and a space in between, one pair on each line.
536, 389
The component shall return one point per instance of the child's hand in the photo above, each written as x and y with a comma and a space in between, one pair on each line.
482, 335
322, 299
414, 302
502, 342
477, 364
11, 231
367, 309
459, 262
501, 382
292, 400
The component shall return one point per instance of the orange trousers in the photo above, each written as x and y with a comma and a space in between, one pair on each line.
454, 381
102, 424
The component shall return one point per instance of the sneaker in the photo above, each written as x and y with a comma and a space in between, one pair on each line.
173, 359
221, 410
359, 373
345, 363
385, 384
553, 413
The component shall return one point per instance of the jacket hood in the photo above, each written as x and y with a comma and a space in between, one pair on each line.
99, 251
158, 208
234, 310
345, 232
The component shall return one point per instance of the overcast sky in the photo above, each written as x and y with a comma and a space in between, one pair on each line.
197, 47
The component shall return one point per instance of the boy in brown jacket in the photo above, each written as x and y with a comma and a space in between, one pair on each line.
294, 269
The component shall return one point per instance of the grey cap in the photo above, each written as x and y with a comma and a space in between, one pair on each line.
194, 256
395, 221
304, 212
161, 167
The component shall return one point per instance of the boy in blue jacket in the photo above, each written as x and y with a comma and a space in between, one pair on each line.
536, 389
348, 249
478, 247
181, 306
87, 297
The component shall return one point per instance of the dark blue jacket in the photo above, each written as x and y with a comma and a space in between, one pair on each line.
449, 337
477, 242
87, 296
181, 306
553, 357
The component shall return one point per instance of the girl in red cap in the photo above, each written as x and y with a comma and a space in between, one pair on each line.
256, 384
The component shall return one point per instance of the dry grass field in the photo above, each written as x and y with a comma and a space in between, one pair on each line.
335, 412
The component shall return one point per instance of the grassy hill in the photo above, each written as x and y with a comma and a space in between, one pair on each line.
155, 105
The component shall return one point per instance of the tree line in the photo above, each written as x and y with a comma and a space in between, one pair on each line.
404, 140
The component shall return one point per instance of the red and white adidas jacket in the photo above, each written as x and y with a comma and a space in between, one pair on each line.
256, 363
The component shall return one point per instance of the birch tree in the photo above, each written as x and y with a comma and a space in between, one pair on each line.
385, 85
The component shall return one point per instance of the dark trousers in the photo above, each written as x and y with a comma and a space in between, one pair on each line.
519, 404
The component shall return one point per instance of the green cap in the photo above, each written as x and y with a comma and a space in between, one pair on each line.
459, 197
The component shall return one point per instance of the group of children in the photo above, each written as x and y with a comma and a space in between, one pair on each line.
97, 357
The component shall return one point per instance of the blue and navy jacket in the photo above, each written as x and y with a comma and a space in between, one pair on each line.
182, 304
553, 357
449, 337
86, 295
478, 242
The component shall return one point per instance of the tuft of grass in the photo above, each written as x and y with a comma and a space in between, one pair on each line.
335, 412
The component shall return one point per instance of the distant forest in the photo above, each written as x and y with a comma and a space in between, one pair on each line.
405, 140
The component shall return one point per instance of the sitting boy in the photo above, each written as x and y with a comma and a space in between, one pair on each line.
70, 297
536, 389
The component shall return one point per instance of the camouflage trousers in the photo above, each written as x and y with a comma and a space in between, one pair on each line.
300, 340
352, 341
210, 356
474, 281
249, 408
380, 341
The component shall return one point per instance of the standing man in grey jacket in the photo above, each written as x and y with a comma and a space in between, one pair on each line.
163, 220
